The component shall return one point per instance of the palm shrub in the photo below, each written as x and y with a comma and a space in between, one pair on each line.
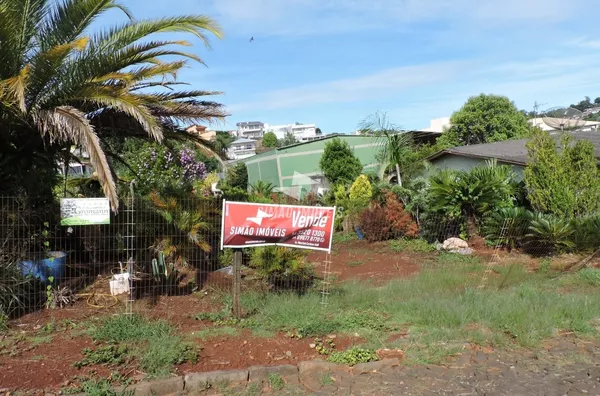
507, 227
550, 234
282, 267
587, 232
472, 194
262, 189
62, 84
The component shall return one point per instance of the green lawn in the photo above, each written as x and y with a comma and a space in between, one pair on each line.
441, 307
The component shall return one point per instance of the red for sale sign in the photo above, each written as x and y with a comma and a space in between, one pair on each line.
251, 224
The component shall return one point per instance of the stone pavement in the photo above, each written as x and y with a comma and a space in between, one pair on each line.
563, 367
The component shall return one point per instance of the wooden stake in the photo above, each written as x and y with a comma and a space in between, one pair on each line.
237, 281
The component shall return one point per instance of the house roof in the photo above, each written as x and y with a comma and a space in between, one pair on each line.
511, 151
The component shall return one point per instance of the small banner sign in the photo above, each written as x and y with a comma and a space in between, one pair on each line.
253, 224
84, 211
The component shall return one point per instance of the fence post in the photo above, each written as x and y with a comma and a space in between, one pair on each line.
237, 280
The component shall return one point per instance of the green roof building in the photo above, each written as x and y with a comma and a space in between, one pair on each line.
295, 169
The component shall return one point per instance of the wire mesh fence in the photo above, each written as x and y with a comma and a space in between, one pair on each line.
158, 246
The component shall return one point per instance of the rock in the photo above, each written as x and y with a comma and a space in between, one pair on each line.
313, 346
288, 354
162, 387
454, 244
260, 374
464, 251
202, 380
331, 336
317, 365
390, 354
363, 368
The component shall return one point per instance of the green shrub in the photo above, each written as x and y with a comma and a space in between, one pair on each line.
353, 356
3, 320
361, 191
282, 266
587, 232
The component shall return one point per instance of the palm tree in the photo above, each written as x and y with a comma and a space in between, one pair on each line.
62, 84
396, 146
262, 188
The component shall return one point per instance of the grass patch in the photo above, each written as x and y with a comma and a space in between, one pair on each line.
151, 342
325, 379
276, 382
341, 237
39, 340
441, 306
217, 332
411, 245
591, 276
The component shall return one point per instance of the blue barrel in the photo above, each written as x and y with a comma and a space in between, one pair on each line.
54, 266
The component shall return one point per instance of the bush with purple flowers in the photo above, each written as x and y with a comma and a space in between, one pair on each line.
159, 168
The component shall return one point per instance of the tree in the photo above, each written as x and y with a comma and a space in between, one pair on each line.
338, 162
262, 188
237, 176
396, 147
566, 181
63, 85
472, 194
269, 140
485, 119
222, 142
288, 140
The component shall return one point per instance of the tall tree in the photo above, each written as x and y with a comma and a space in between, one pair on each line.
269, 140
62, 84
288, 140
396, 146
565, 181
338, 162
485, 119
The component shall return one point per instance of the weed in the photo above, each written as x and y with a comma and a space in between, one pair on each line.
324, 347
590, 276
545, 266
253, 390
352, 356
211, 316
325, 379
355, 263
276, 382
36, 357
411, 245
455, 258
164, 352
110, 354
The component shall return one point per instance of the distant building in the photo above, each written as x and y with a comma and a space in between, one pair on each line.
302, 132
241, 148
250, 130
203, 132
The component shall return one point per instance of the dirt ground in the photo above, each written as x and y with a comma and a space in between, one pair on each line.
360, 260
32, 358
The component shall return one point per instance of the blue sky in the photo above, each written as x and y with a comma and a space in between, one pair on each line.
334, 62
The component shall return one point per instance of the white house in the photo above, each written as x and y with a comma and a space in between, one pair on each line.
241, 148
302, 132
250, 129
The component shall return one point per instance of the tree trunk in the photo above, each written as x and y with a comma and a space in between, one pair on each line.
472, 227
398, 178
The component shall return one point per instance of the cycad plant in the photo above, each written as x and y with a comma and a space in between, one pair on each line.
472, 194
262, 188
64, 84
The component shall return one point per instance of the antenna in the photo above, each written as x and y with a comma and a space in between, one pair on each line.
536, 106
563, 118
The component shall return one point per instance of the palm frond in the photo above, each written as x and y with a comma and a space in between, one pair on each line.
12, 90
67, 124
